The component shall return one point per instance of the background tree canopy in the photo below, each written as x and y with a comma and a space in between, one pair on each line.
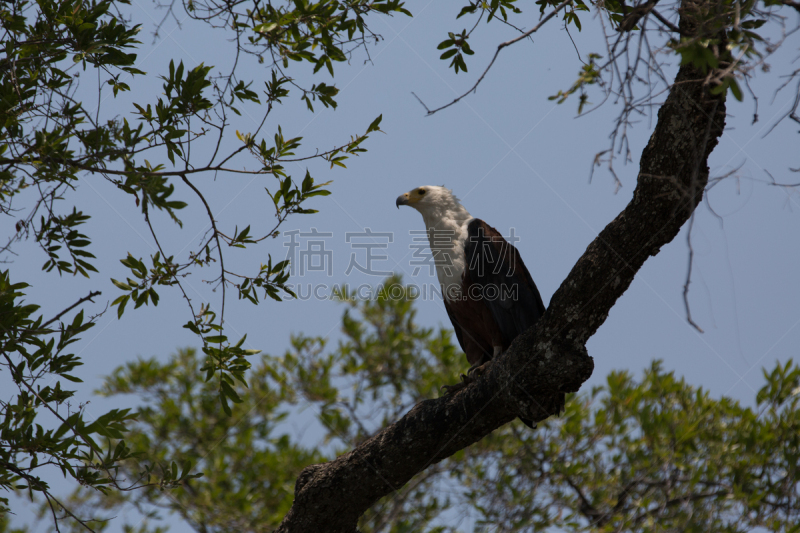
114, 149
652, 454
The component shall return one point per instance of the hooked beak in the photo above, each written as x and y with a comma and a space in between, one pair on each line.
401, 200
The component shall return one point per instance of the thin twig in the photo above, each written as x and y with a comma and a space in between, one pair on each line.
216, 238
71, 307
689, 276
528, 33
164, 255
665, 22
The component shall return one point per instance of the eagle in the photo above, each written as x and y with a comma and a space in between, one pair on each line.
488, 292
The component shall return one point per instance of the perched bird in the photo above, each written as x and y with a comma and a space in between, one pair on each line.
488, 293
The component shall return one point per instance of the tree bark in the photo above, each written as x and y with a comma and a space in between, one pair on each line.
549, 359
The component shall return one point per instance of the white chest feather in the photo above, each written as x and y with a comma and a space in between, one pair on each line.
447, 237
446, 221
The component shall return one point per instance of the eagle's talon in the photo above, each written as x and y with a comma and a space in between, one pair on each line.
452, 389
472, 374
449, 390
477, 371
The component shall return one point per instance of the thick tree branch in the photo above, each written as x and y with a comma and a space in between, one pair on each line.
530, 378
634, 15
792, 4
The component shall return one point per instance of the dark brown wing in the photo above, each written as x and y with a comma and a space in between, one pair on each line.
507, 288
456, 325
474, 327
506, 285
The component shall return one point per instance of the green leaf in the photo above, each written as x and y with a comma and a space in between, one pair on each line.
735, 90
230, 392
224, 401
121, 302
375, 125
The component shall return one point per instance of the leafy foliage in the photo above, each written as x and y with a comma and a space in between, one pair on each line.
653, 454
728, 27
51, 139
35, 353
455, 46
385, 364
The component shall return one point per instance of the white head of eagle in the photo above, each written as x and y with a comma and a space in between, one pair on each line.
446, 221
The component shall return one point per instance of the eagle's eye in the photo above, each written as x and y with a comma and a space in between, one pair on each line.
421, 191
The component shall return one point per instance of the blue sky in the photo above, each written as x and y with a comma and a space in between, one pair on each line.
516, 160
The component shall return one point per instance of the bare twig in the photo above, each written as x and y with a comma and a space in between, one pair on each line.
216, 238
71, 307
689, 276
665, 22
